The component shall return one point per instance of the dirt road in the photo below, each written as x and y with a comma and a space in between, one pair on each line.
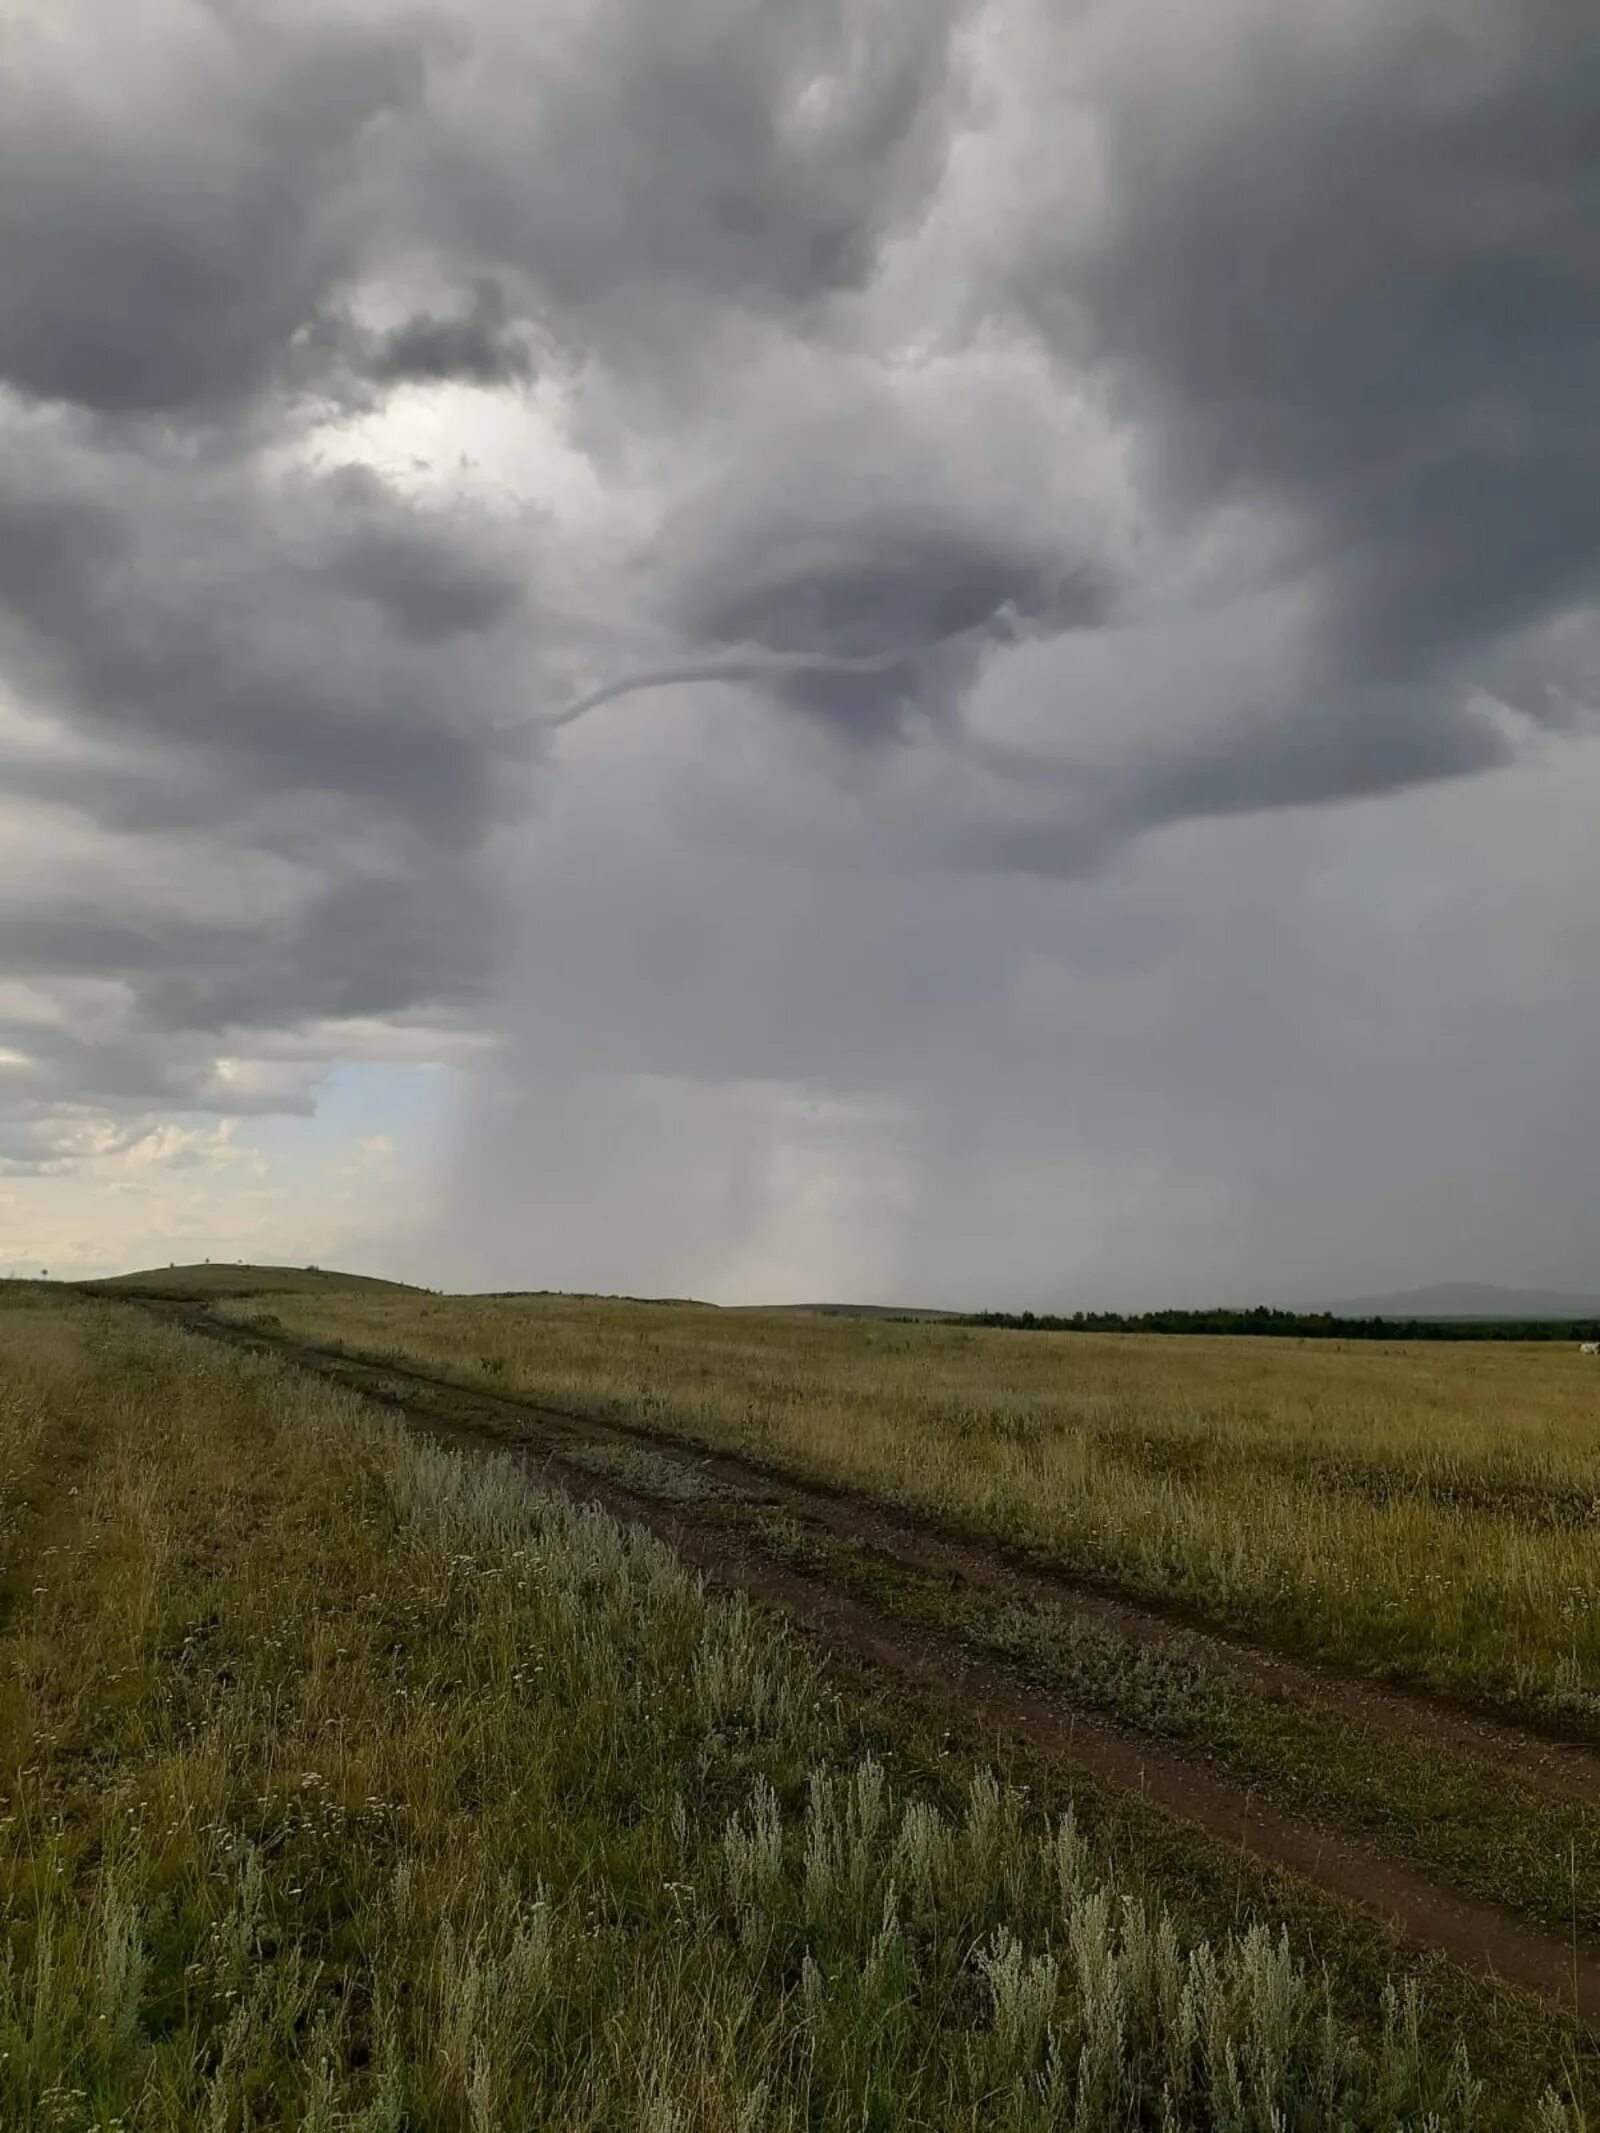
949, 1677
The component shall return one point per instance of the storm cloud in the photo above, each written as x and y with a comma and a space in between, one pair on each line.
826, 588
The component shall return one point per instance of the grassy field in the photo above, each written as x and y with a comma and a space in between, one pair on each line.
346, 1784
1430, 1513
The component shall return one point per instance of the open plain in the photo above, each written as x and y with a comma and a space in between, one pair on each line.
494, 1712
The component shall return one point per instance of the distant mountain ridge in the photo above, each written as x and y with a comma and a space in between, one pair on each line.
1468, 1299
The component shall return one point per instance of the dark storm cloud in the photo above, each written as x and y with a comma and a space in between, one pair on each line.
638, 164
481, 345
296, 673
203, 210
876, 553
189, 196
180, 188
862, 640
77, 942
1102, 419
1334, 267
364, 946
351, 947
361, 947
431, 574
1385, 742
1347, 257
912, 606
312, 633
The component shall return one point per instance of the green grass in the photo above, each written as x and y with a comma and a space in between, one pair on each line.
1483, 1829
348, 1784
646, 1472
1427, 1513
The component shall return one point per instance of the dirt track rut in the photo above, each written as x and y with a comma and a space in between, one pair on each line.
948, 1676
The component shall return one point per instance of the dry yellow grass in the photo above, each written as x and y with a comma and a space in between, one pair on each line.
350, 1786
1425, 1510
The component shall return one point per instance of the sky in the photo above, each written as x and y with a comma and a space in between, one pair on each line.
944, 651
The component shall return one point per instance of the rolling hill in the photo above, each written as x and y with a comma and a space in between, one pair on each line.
221, 1277
1469, 1299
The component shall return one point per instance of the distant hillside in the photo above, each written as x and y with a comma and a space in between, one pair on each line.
1469, 1299
219, 1277
846, 1310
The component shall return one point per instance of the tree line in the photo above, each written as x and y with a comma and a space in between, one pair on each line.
1291, 1325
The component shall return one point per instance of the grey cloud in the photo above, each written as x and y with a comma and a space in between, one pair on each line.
79, 942
1347, 257
908, 589
306, 669
881, 548
1077, 818
907, 610
481, 345
1383, 740
42, 1148
363, 946
53, 551
229, 642
354, 946
319, 631
644, 164
729, 668
194, 237
921, 624
430, 573
123, 1073
1246, 1059
1240, 459
179, 192
187, 991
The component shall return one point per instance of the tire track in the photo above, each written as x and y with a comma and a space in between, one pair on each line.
1567, 1768
945, 1675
